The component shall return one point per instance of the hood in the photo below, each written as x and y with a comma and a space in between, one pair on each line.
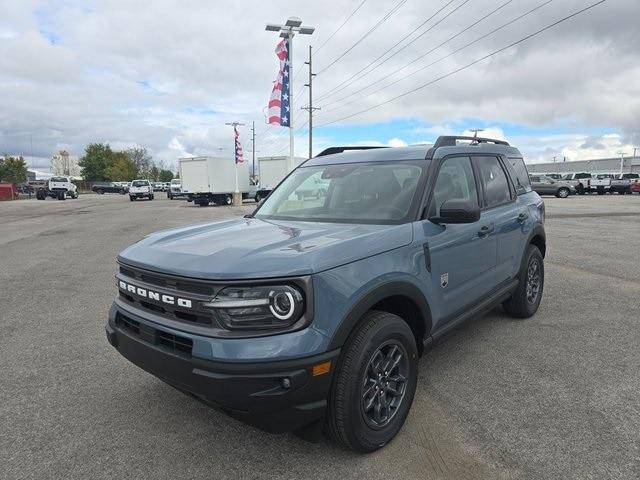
253, 248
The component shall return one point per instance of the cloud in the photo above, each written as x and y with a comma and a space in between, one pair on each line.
170, 76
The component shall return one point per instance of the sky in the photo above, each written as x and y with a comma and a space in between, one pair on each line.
167, 75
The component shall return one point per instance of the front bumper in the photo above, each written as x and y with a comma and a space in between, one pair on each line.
275, 396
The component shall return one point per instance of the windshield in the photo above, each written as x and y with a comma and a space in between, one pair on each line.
59, 179
175, 181
140, 183
376, 192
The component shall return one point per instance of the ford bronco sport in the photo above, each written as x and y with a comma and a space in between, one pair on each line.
313, 311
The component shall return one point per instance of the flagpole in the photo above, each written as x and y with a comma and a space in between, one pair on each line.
291, 110
288, 30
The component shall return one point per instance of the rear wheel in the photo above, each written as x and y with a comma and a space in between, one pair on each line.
132, 198
228, 200
100, 191
374, 383
526, 299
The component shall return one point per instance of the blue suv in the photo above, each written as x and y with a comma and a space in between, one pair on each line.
314, 310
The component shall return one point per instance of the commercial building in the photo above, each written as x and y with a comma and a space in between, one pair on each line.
596, 165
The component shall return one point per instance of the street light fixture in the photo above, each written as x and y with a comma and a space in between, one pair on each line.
292, 26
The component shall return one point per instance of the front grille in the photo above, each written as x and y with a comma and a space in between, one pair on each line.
166, 341
199, 292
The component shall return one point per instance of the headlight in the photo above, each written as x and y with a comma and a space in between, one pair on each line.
259, 307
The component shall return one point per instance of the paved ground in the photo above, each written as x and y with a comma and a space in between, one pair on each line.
556, 396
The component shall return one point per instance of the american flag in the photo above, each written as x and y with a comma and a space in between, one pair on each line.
239, 155
279, 101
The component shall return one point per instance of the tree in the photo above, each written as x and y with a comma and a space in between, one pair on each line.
13, 169
140, 158
121, 167
166, 175
95, 162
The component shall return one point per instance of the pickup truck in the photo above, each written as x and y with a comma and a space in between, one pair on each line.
140, 189
621, 183
580, 181
58, 187
601, 184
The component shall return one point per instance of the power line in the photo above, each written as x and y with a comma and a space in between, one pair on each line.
346, 20
386, 17
395, 45
457, 70
395, 72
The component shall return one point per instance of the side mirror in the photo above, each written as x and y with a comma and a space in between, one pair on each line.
457, 211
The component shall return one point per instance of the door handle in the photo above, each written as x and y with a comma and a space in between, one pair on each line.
485, 231
522, 217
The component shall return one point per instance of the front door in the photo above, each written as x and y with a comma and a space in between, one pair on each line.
460, 258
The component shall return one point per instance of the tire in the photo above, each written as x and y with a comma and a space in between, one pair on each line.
563, 192
150, 197
348, 422
580, 189
62, 195
169, 196
520, 304
122, 192
40, 195
100, 191
203, 202
228, 200
132, 198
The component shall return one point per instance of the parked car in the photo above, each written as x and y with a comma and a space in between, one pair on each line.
305, 312
635, 186
175, 189
124, 185
579, 181
601, 183
108, 187
544, 185
58, 187
621, 183
140, 189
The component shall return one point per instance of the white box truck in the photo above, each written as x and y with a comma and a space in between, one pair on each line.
213, 180
271, 172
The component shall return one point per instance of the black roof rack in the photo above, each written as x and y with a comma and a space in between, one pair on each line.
332, 150
452, 140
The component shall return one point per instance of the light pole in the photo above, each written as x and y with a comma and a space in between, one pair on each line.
288, 31
622, 154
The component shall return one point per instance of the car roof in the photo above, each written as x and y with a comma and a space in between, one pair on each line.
446, 145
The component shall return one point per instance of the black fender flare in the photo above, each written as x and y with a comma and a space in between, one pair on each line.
538, 231
376, 295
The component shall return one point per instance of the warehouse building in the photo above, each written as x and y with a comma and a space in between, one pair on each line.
597, 165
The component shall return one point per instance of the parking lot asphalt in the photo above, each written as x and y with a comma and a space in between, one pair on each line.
555, 396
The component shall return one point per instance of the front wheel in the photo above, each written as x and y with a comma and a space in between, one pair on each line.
563, 192
374, 383
132, 198
526, 298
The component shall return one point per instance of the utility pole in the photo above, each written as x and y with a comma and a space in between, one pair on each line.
310, 108
237, 197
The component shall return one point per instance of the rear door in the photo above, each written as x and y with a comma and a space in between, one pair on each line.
194, 176
460, 258
499, 198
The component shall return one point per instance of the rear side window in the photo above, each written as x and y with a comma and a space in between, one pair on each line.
521, 181
494, 180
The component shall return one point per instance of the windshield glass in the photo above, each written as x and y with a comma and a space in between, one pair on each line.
59, 179
140, 183
376, 192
